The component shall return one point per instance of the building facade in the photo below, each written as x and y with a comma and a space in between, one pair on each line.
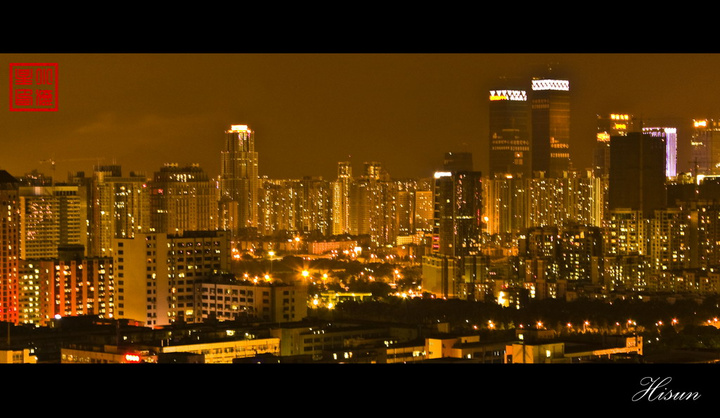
510, 132
239, 178
550, 106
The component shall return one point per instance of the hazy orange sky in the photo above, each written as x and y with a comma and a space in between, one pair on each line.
310, 111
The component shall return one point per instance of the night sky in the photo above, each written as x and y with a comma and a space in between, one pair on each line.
310, 111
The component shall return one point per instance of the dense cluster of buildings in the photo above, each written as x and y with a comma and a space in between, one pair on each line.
160, 249
631, 223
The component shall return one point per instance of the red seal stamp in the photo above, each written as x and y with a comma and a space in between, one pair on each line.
34, 87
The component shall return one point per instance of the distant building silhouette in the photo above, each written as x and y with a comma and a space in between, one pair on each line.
637, 173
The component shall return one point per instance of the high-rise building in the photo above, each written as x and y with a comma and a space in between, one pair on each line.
615, 124
458, 161
341, 199
423, 210
705, 146
182, 199
458, 213
550, 105
637, 173
111, 205
10, 252
314, 206
50, 216
510, 132
670, 137
278, 206
67, 285
156, 273
506, 204
239, 178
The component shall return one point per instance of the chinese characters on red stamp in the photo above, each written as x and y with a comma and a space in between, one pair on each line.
34, 87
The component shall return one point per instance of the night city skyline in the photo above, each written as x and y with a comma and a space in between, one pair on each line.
367, 208
404, 110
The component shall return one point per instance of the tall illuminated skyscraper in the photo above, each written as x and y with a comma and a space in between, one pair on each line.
550, 104
341, 199
239, 178
510, 132
670, 137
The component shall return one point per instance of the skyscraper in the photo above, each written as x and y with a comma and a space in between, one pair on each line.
615, 124
458, 161
550, 104
341, 199
458, 213
10, 252
239, 178
637, 173
705, 145
50, 216
509, 132
670, 137
182, 199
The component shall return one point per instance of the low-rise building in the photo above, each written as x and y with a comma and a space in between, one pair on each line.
225, 298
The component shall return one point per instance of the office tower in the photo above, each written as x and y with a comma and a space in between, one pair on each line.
510, 133
10, 252
550, 146
615, 124
637, 173
458, 213
341, 199
67, 285
182, 199
50, 216
239, 178
669, 135
452, 268
156, 273
705, 146
458, 161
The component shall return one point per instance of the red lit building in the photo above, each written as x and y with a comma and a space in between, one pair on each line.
10, 250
